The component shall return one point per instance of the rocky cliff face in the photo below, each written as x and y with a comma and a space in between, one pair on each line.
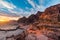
31, 19
52, 13
46, 23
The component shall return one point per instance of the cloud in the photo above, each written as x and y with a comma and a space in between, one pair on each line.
31, 3
8, 8
4, 5
7, 4
37, 7
34, 9
13, 9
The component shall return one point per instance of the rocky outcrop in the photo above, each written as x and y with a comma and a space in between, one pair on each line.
22, 20
45, 23
11, 34
50, 14
31, 19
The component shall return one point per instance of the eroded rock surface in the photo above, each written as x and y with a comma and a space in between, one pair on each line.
48, 24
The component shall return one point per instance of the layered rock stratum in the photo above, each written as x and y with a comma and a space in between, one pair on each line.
45, 23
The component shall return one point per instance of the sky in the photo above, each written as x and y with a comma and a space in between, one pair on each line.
24, 7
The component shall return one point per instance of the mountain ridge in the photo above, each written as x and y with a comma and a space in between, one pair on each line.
51, 14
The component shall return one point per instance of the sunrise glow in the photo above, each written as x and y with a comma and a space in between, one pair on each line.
3, 19
6, 19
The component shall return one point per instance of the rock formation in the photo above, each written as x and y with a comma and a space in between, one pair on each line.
47, 23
